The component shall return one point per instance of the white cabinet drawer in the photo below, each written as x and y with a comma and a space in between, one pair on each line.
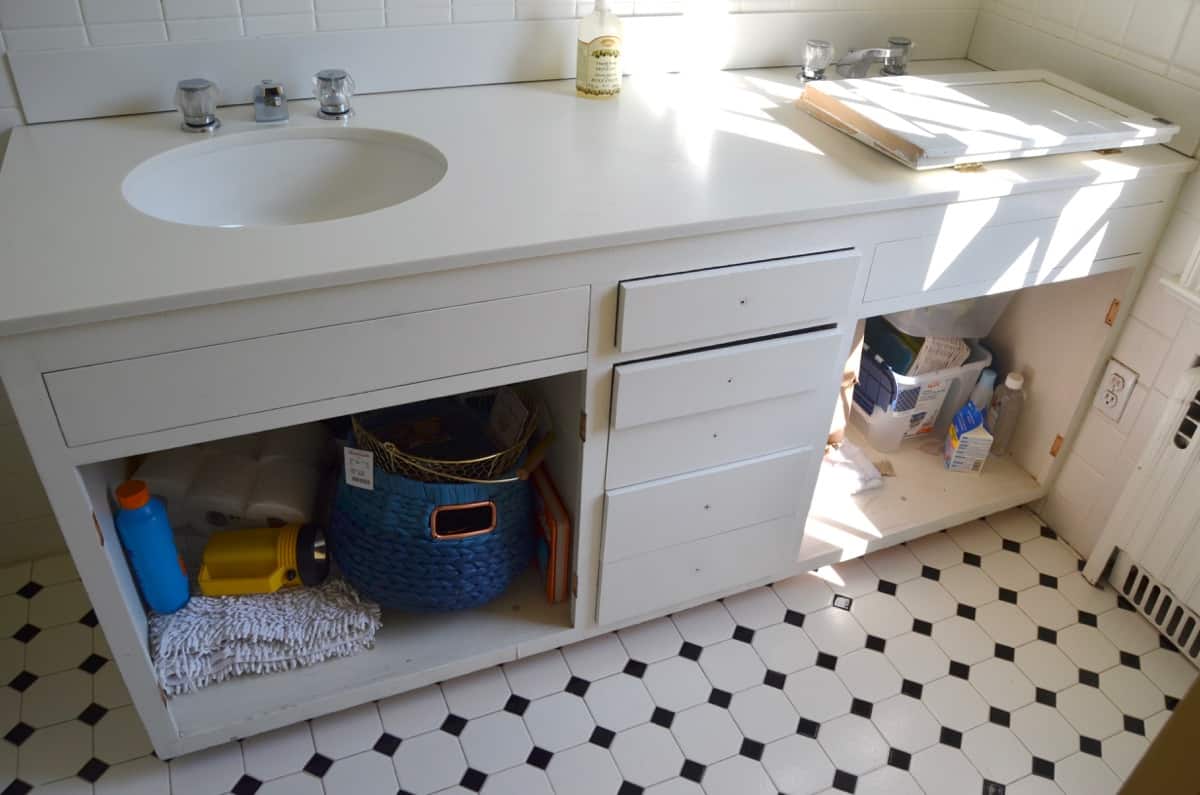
151, 393
1010, 256
662, 513
722, 302
692, 383
675, 575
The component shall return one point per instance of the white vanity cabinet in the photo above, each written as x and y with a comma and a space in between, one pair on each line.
691, 380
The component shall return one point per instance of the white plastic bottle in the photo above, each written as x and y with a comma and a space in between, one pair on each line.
981, 396
598, 63
1005, 411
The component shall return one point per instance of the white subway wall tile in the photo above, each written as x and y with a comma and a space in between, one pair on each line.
276, 24
545, 9
1183, 354
39, 13
1158, 307
127, 33
418, 12
1142, 349
261, 7
1106, 19
482, 10
324, 6
351, 20
113, 11
1099, 443
1187, 52
26, 39
1174, 252
1155, 25
204, 29
200, 9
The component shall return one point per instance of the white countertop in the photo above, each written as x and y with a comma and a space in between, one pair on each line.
533, 170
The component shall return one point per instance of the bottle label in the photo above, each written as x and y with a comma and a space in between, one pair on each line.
598, 67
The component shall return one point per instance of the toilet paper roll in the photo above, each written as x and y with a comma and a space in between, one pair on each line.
218, 496
305, 444
284, 491
169, 475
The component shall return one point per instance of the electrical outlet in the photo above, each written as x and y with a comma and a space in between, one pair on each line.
1116, 387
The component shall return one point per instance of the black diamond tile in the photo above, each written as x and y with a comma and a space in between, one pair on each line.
993, 787
861, 708
808, 728
888, 588
89, 619
92, 714
950, 737
1005, 652
1135, 725
720, 698
579, 687
1043, 768
29, 589
930, 573
966, 611
842, 602
629, 788
1171, 702
922, 627
999, 717
22, 681
1087, 618
1080, 564
539, 758
961, 670
971, 559
912, 689
602, 737
1010, 545
1165, 643
692, 771
26, 633
453, 724
744, 634
246, 785
473, 779
775, 679
387, 744
1048, 580
1089, 678
1047, 697
752, 749
690, 651
827, 661
1125, 604
93, 663
1048, 533
846, 782
900, 759
1089, 745
793, 618
516, 705
662, 717
1008, 596
318, 765
17, 787
635, 668
19, 733
875, 643
93, 769
1130, 660
1047, 635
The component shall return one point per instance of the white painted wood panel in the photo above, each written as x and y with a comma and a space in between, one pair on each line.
663, 513
134, 396
678, 386
671, 576
1011, 256
686, 444
704, 305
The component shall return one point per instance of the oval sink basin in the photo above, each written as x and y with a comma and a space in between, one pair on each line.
284, 177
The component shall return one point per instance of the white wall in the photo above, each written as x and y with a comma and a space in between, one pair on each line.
27, 529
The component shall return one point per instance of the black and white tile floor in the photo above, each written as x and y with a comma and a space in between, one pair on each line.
971, 661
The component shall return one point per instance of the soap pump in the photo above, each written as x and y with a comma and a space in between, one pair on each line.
598, 61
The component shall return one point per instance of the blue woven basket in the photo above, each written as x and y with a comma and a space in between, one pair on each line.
432, 546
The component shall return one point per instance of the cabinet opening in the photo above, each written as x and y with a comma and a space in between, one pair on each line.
260, 487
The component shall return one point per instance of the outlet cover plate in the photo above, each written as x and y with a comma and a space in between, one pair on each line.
1115, 390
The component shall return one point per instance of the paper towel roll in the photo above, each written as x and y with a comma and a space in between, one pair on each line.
305, 444
284, 491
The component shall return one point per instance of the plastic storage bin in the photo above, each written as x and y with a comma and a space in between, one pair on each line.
970, 318
890, 408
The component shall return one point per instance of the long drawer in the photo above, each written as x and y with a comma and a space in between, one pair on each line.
150, 393
671, 511
739, 299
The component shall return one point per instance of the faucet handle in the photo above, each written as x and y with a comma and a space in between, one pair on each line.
899, 49
333, 90
196, 98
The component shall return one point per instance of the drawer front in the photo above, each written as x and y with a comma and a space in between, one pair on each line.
169, 390
672, 511
1011, 256
675, 575
686, 444
740, 299
693, 383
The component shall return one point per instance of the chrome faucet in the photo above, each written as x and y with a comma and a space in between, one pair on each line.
270, 102
196, 99
894, 58
333, 90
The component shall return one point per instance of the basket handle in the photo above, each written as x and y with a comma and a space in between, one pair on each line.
450, 522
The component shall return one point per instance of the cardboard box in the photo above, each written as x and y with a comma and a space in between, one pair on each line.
968, 441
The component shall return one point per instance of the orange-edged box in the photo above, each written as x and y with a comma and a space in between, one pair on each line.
554, 536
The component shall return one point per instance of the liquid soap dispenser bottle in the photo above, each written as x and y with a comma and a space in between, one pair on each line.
598, 64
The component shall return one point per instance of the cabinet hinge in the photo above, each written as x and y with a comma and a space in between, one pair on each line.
583, 426
1116, 150
968, 167
1114, 309
96, 524
1056, 446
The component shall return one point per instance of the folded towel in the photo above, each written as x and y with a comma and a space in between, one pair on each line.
847, 469
216, 638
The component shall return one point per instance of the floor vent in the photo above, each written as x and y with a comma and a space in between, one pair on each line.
1171, 617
